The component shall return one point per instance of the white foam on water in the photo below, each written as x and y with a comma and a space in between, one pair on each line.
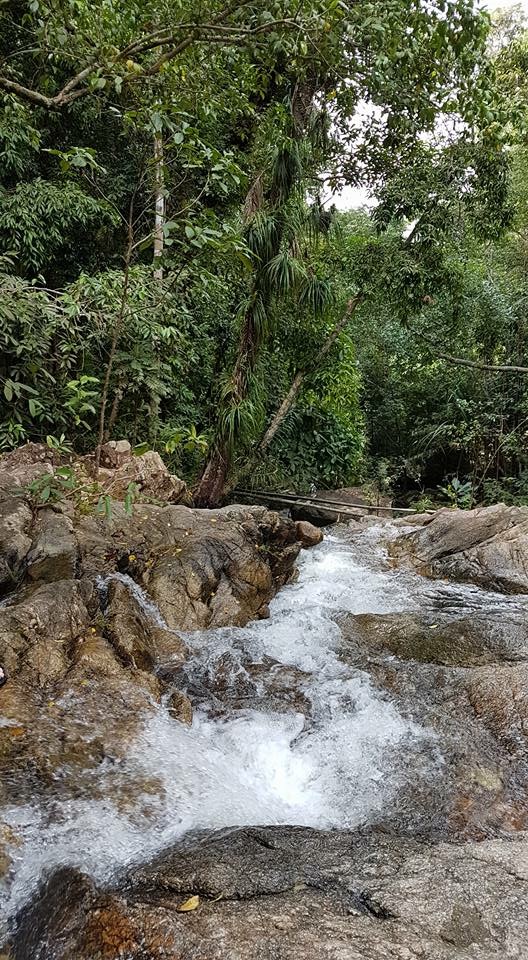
252, 766
149, 608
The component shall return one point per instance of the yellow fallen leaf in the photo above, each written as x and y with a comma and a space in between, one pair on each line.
132, 557
17, 731
191, 904
213, 520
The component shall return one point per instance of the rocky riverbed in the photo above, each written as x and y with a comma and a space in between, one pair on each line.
207, 755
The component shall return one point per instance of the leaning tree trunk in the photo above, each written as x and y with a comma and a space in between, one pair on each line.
290, 397
213, 481
297, 382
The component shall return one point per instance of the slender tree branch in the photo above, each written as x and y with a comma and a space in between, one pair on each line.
472, 364
26, 93
290, 397
300, 375
214, 31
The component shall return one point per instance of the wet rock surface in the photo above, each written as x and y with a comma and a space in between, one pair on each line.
385, 713
80, 652
465, 678
285, 893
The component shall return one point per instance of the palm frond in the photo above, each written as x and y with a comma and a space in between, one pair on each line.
286, 170
283, 273
263, 236
316, 294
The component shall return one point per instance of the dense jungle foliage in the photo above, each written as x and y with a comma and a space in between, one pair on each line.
173, 268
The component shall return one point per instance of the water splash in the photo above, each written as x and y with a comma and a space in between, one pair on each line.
148, 607
341, 767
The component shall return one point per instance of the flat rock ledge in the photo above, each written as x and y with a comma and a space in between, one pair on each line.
291, 893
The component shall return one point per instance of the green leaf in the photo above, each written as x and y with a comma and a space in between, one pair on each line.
141, 448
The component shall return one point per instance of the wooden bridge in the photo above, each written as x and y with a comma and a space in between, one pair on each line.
340, 508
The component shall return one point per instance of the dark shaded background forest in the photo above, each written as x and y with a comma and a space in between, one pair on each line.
173, 270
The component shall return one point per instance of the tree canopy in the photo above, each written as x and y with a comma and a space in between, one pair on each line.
173, 267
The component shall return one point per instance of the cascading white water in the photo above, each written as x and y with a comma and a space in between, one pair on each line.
252, 765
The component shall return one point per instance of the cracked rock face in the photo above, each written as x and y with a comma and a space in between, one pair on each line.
487, 546
81, 664
291, 893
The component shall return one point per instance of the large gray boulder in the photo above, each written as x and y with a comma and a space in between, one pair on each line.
287, 893
487, 546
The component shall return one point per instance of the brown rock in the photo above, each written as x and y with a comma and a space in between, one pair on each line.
15, 541
115, 453
180, 707
307, 534
36, 634
151, 476
69, 701
136, 638
53, 553
201, 567
223, 569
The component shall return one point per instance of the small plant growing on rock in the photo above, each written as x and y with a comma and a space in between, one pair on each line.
87, 496
52, 487
59, 445
460, 495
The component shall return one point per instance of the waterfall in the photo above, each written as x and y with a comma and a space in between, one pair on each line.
333, 752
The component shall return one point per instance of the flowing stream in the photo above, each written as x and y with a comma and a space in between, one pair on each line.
284, 732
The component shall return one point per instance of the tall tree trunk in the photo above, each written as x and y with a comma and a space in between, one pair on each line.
213, 480
116, 333
159, 215
212, 483
118, 396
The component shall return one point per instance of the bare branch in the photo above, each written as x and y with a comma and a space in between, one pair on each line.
472, 364
214, 31
26, 93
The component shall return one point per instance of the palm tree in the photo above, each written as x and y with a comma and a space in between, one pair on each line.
276, 223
